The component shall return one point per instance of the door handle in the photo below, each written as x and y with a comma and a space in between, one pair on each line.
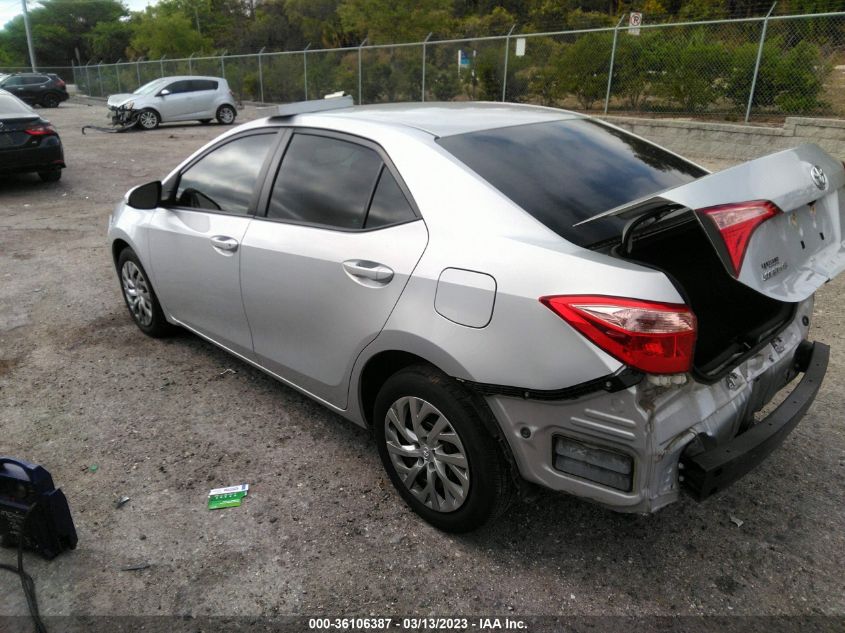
368, 270
224, 243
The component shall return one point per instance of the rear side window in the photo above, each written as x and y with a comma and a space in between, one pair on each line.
324, 181
562, 172
204, 84
389, 205
225, 179
11, 106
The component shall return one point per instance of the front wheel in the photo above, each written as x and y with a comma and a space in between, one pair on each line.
140, 297
226, 115
438, 453
148, 119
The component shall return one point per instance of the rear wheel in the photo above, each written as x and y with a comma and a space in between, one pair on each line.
50, 100
50, 176
148, 119
226, 115
437, 451
140, 297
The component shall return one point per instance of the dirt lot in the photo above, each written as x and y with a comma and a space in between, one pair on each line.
322, 532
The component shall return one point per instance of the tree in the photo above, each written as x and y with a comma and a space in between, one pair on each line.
583, 67
391, 21
109, 40
156, 33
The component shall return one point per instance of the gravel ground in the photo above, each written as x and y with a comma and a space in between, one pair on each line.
322, 532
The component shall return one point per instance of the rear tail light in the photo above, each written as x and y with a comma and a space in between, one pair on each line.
736, 223
61, 83
657, 338
41, 130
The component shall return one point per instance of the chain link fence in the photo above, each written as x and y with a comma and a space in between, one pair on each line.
732, 69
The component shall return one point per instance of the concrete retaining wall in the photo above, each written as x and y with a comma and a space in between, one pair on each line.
731, 143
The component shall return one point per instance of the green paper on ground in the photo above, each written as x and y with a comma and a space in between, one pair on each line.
227, 497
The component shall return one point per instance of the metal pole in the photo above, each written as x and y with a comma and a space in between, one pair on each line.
425, 42
88, 78
223, 64
612, 61
261, 73
100, 76
138, 69
161, 64
305, 68
117, 72
757, 64
507, 50
191, 63
28, 35
360, 94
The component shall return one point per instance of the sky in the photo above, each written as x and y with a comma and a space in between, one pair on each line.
11, 8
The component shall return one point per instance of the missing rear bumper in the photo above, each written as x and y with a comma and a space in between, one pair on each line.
708, 472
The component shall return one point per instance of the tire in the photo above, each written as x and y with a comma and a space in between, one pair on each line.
226, 115
50, 100
148, 119
54, 175
139, 296
472, 494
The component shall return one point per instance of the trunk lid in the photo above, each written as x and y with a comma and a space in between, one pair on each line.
789, 255
12, 134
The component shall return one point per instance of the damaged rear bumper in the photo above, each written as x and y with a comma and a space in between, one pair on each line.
707, 472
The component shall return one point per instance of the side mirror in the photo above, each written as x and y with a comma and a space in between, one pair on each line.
164, 92
145, 196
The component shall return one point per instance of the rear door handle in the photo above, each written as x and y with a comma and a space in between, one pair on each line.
225, 243
368, 270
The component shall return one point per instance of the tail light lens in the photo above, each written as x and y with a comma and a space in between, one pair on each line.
41, 130
736, 223
61, 83
657, 338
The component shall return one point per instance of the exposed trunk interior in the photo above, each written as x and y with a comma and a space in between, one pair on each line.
733, 319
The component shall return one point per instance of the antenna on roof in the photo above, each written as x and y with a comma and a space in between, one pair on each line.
333, 101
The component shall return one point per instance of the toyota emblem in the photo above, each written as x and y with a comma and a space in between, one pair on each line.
818, 177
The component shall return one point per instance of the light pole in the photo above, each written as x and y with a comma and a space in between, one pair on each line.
28, 35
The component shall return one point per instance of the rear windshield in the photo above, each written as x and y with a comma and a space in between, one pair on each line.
562, 172
11, 106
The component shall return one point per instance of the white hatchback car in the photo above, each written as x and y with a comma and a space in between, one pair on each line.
169, 99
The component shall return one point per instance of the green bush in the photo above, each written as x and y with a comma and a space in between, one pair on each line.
800, 76
691, 76
582, 68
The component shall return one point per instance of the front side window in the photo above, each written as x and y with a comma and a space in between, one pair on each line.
225, 179
324, 181
12, 81
178, 87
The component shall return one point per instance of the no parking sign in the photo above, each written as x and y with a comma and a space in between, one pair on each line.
634, 22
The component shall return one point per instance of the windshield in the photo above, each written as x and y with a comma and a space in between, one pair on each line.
150, 87
562, 172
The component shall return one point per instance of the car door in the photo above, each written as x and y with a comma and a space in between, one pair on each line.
195, 239
325, 265
204, 92
177, 103
15, 85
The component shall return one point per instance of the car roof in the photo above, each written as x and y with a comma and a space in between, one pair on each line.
438, 118
180, 77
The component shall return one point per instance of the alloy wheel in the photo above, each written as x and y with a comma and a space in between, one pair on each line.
227, 115
148, 120
427, 454
137, 293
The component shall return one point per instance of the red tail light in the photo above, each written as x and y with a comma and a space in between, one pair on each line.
737, 222
657, 338
41, 130
61, 83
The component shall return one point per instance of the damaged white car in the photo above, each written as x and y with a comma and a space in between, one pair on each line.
168, 99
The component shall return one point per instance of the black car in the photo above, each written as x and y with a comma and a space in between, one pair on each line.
28, 143
46, 89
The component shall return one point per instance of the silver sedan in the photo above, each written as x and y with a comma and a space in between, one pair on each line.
507, 295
